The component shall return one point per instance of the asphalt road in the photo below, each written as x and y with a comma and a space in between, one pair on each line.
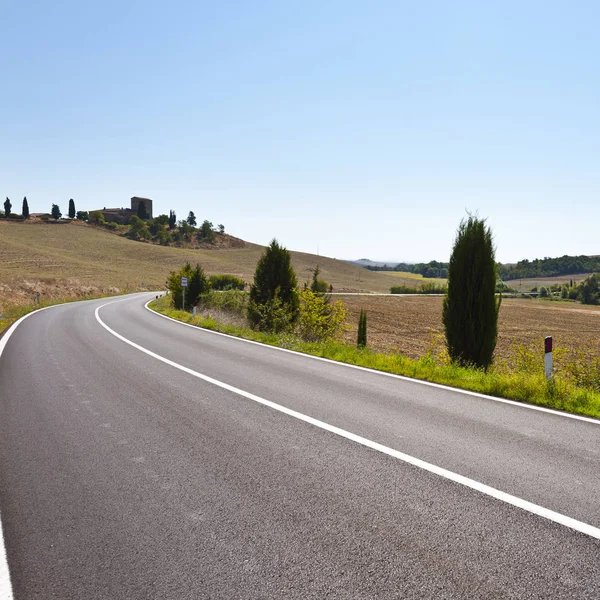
124, 476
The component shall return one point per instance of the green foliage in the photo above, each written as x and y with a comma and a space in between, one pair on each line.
206, 233
589, 290
72, 211
82, 215
186, 231
97, 217
226, 282
544, 292
318, 286
162, 220
274, 315
138, 230
172, 219
319, 320
470, 309
232, 300
426, 288
55, 212
221, 228
191, 219
274, 287
25, 209
361, 340
197, 285
142, 213
7, 207
432, 269
550, 267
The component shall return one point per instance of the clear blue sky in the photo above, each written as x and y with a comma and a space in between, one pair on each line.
358, 129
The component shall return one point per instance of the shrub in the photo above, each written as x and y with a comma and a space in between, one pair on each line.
319, 320
138, 229
470, 309
226, 282
97, 217
318, 286
544, 292
82, 215
426, 288
206, 233
274, 288
197, 285
234, 301
274, 315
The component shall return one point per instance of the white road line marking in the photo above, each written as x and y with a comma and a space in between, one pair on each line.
440, 386
411, 460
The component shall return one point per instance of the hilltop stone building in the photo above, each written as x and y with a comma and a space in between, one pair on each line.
122, 215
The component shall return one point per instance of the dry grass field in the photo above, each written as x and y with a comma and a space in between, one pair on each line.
409, 324
526, 285
62, 260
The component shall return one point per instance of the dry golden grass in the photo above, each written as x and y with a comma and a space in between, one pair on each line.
61, 260
408, 323
526, 285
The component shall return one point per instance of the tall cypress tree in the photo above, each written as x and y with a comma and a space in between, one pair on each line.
172, 219
25, 210
7, 207
470, 309
71, 209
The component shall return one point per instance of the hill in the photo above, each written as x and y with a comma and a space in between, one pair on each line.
67, 259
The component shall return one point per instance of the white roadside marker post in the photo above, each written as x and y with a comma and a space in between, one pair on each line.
548, 357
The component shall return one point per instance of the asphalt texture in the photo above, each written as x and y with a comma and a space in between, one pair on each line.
123, 477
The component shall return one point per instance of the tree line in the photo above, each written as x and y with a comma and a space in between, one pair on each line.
55, 211
524, 269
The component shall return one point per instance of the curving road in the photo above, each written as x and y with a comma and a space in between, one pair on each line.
141, 458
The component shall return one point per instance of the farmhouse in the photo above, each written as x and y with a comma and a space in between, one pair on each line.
122, 215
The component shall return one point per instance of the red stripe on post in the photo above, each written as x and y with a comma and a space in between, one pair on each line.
548, 344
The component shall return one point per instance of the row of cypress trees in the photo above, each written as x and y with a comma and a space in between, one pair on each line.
55, 212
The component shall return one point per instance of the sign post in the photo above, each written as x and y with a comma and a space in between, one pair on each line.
548, 357
184, 284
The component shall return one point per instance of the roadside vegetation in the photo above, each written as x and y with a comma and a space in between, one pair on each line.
278, 313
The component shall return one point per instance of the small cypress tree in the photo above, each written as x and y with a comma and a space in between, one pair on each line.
56, 214
362, 330
274, 284
191, 219
72, 211
470, 309
172, 219
25, 210
7, 207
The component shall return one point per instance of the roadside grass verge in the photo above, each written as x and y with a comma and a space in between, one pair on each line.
520, 378
13, 312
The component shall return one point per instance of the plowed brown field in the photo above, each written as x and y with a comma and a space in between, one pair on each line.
406, 323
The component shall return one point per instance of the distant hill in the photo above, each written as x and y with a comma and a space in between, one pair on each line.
66, 259
366, 262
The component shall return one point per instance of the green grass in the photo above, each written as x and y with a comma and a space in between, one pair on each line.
524, 382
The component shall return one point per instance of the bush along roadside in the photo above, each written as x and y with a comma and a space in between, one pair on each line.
520, 378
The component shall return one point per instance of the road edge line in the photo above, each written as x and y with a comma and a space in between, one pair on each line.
440, 386
477, 486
